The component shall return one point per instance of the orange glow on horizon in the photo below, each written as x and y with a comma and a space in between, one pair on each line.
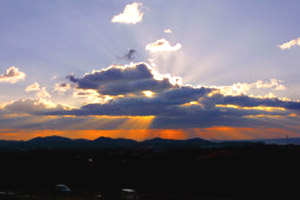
212, 133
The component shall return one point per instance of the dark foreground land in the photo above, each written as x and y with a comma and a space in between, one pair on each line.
249, 171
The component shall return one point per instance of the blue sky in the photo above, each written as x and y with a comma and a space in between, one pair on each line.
222, 43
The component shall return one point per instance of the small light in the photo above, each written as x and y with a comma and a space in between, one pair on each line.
148, 93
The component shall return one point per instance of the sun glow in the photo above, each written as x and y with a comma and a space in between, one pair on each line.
212, 133
191, 103
139, 122
148, 93
264, 108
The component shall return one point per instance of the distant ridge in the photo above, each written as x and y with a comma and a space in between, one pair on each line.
57, 142
282, 141
189, 143
49, 139
108, 140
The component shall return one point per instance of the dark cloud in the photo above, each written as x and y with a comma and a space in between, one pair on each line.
247, 101
203, 119
164, 101
120, 107
171, 105
170, 109
33, 106
130, 55
122, 80
183, 94
171, 113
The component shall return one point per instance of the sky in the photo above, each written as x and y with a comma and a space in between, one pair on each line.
218, 70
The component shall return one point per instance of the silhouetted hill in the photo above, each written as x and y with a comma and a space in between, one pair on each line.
115, 143
275, 141
282, 141
110, 140
51, 142
239, 143
50, 139
4, 144
57, 142
158, 143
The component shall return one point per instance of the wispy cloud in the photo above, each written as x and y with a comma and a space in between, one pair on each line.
162, 45
132, 14
290, 44
244, 88
12, 75
129, 56
42, 93
34, 87
61, 88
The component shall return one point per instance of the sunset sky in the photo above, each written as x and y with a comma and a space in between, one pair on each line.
218, 70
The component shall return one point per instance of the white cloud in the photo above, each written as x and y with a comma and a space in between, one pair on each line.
61, 88
290, 44
31, 106
168, 31
273, 83
12, 75
40, 92
131, 14
162, 45
243, 88
33, 87
91, 96
43, 93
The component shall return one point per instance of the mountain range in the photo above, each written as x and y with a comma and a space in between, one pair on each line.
57, 142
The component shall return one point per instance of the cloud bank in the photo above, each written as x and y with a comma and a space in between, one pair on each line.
137, 96
139, 90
